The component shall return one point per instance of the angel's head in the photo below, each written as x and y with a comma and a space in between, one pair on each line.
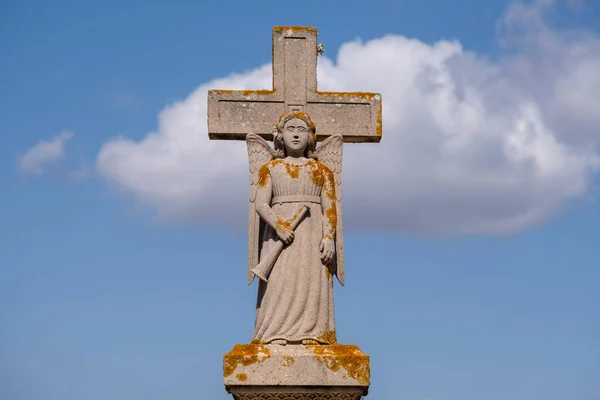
295, 135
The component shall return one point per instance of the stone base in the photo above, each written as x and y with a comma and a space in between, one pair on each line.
298, 372
295, 393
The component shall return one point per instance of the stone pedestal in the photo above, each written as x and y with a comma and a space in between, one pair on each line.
296, 372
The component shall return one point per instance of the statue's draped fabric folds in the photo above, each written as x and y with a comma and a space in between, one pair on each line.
295, 300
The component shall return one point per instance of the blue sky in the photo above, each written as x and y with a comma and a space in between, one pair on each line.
474, 275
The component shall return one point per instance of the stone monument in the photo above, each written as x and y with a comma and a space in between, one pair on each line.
295, 242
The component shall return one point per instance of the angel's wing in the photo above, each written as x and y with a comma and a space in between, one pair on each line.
330, 153
259, 153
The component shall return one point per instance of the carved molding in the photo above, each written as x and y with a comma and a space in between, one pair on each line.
297, 392
297, 396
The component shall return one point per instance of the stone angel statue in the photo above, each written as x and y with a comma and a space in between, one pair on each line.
295, 243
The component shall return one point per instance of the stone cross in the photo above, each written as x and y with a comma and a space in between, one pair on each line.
314, 365
232, 114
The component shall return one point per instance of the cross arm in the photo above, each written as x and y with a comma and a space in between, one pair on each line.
355, 115
232, 114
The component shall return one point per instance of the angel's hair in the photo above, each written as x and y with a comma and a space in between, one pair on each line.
310, 150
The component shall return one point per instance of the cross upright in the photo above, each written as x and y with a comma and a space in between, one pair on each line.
232, 114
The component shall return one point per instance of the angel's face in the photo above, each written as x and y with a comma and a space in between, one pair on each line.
295, 136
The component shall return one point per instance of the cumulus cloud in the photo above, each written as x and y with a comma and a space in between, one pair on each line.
44, 154
469, 145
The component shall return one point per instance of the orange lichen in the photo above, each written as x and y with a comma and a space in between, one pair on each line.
322, 176
348, 357
331, 214
295, 29
330, 191
328, 337
318, 172
245, 93
287, 224
361, 95
330, 187
263, 176
244, 354
283, 224
260, 92
242, 377
295, 217
293, 170
287, 361
329, 274
299, 115
379, 127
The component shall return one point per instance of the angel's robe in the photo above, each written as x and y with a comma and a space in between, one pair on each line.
297, 302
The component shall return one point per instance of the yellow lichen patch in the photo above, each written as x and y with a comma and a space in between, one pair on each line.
244, 354
242, 377
331, 214
327, 336
330, 187
263, 176
348, 357
261, 92
295, 217
298, 115
276, 161
345, 95
379, 125
295, 29
286, 224
222, 91
328, 274
287, 361
311, 162
318, 173
283, 224
317, 177
292, 170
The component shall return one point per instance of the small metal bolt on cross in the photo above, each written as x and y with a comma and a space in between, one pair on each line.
320, 49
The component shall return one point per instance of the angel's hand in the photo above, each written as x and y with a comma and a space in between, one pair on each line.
286, 235
327, 249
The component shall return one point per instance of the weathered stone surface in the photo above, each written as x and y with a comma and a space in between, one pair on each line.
328, 367
295, 258
296, 393
232, 114
295, 244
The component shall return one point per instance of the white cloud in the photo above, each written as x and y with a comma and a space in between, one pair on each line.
469, 145
44, 154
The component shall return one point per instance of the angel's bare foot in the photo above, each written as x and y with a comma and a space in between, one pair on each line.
309, 342
281, 342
